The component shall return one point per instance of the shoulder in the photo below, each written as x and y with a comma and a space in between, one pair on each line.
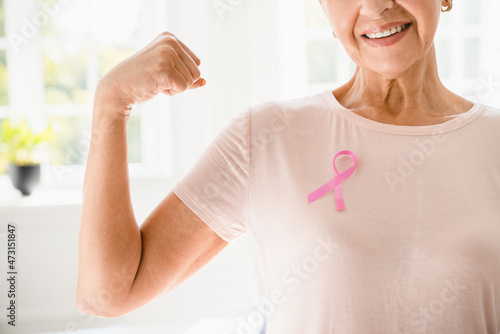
296, 104
490, 117
488, 124
288, 110
492, 112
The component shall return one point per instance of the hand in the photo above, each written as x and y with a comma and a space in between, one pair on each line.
166, 65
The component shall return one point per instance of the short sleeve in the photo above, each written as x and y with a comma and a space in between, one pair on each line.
216, 187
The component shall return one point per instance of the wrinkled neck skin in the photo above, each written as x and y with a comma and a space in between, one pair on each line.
413, 97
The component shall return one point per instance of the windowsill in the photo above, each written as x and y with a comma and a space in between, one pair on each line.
208, 325
12, 198
66, 195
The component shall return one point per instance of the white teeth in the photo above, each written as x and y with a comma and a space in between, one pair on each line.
388, 32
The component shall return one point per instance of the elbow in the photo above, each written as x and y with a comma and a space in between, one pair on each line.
98, 305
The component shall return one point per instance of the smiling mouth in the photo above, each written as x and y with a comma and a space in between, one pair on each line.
387, 33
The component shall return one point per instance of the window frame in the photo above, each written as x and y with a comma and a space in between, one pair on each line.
155, 159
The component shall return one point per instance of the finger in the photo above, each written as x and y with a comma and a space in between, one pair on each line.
190, 64
186, 58
184, 46
175, 81
189, 52
184, 70
198, 83
169, 92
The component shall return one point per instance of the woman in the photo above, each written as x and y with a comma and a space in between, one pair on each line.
404, 239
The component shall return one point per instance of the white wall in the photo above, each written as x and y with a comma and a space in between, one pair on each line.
239, 52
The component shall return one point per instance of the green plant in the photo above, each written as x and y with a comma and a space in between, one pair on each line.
18, 143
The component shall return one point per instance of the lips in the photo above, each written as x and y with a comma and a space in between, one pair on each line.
386, 41
384, 27
387, 33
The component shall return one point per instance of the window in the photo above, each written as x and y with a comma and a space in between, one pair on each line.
79, 45
459, 43
57, 51
327, 62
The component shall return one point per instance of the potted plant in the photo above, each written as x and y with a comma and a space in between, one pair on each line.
18, 146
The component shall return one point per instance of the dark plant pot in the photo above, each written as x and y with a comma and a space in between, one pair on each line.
24, 178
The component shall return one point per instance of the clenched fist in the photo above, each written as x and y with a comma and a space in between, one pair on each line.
166, 65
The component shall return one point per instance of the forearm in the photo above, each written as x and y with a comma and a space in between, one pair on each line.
109, 248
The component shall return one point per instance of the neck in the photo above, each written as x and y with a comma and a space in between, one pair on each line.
412, 97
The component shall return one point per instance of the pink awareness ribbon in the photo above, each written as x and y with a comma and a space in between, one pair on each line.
335, 183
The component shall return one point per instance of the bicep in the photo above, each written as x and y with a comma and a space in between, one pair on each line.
176, 243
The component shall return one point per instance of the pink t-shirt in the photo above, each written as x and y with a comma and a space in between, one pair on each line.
417, 247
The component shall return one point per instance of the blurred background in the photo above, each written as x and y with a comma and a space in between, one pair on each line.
53, 53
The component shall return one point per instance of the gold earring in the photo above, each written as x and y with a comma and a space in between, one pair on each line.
447, 9
333, 33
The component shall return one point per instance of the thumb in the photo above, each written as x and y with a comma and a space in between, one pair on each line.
198, 83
